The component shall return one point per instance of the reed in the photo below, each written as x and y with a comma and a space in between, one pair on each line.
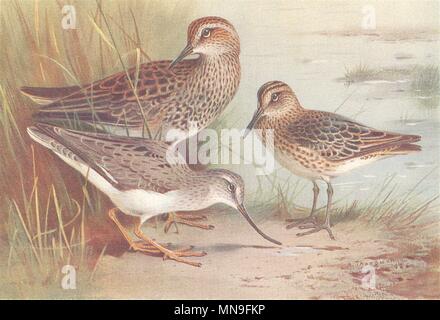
45, 207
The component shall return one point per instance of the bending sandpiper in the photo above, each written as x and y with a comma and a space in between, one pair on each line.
184, 95
320, 145
144, 178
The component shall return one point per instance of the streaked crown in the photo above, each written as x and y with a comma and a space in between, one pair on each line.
228, 185
213, 35
277, 96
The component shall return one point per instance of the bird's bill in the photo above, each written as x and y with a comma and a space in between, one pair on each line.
185, 52
241, 208
255, 118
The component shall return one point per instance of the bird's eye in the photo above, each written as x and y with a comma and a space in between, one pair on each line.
275, 97
231, 187
206, 32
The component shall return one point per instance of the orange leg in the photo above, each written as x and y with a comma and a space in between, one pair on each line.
187, 219
167, 253
141, 246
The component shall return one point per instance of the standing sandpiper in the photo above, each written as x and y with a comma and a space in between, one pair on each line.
184, 95
144, 178
320, 145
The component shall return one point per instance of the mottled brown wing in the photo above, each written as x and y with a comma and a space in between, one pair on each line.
127, 163
338, 138
112, 100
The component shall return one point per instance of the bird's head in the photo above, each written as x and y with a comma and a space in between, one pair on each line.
275, 100
210, 36
228, 188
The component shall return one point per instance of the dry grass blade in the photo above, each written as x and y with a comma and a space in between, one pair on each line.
60, 219
101, 33
145, 126
137, 43
27, 233
97, 263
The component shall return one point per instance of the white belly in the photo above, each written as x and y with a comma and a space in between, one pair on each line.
139, 202
133, 202
143, 203
147, 204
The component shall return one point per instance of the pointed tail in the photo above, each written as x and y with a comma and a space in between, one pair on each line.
44, 96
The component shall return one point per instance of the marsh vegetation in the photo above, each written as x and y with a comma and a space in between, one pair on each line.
50, 216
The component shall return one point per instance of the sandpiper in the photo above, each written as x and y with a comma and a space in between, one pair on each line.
144, 178
168, 99
184, 95
320, 145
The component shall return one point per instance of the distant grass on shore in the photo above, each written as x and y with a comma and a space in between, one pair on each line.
362, 73
422, 78
424, 81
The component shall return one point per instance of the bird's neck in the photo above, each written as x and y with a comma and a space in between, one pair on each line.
212, 85
224, 61
193, 195
281, 120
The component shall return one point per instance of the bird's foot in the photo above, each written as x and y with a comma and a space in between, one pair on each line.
309, 221
193, 217
177, 255
314, 229
145, 247
187, 219
166, 252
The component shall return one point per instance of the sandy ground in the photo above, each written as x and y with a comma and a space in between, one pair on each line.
241, 265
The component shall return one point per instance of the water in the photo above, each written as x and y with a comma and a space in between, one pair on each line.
309, 46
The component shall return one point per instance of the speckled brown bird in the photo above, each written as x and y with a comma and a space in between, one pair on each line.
144, 178
320, 145
182, 94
